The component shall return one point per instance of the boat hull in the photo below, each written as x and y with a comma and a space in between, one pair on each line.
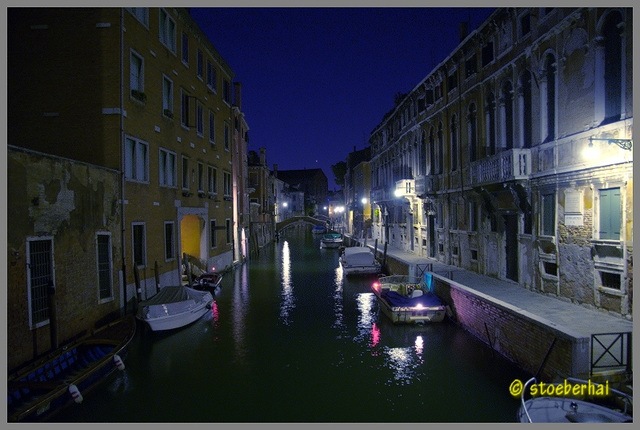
406, 300
411, 316
39, 390
566, 410
174, 307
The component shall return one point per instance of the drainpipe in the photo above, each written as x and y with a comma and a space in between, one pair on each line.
122, 179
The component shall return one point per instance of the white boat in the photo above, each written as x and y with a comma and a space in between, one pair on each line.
545, 409
359, 260
331, 240
406, 299
174, 307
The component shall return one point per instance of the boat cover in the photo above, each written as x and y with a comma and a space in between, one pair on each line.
428, 299
358, 256
170, 300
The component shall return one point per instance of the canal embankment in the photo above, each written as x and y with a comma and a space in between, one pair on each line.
544, 335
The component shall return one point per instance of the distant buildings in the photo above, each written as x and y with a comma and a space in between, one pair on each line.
485, 164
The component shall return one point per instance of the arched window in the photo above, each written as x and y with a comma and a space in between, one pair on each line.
490, 118
423, 154
526, 120
454, 143
550, 75
440, 148
472, 130
433, 170
507, 115
612, 67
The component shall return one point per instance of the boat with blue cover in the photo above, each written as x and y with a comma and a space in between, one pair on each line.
408, 299
39, 389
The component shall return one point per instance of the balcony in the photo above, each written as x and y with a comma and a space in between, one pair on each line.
405, 187
510, 165
426, 185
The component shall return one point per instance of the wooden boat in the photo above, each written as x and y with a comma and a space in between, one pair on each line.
174, 307
331, 240
41, 388
546, 409
359, 260
406, 299
208, 282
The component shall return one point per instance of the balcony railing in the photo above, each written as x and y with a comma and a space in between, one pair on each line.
510, 165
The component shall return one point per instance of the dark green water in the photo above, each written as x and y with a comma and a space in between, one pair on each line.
290, 340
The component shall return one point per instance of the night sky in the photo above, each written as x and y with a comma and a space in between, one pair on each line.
317, 81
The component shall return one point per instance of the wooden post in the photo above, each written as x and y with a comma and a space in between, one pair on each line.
53, 315
384, 257
136, 275
375, 248
157, 277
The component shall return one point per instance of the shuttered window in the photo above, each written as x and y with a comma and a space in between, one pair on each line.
610, 214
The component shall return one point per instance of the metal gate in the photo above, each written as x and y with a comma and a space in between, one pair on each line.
39, 279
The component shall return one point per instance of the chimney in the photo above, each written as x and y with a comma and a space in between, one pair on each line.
275, 171
463, 30
263, 156
237, 94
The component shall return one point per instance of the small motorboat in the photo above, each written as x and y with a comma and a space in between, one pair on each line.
331, 240
406, 299
319, 229
359, 260
208, 282
174, 307
40, 389
548, 409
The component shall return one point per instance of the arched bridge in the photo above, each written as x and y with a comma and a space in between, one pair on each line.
297, 220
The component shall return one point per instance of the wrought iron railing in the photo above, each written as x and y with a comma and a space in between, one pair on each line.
611, 351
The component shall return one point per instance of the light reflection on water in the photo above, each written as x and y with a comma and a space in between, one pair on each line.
291, 339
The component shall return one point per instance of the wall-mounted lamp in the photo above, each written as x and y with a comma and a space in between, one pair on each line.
622, 143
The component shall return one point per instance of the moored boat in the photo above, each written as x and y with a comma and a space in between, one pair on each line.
318, 229
331, 240
359, 260
174, 307
208, 282
36, 391
575, 409
406, 299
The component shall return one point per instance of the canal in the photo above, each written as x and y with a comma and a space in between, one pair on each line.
289, 339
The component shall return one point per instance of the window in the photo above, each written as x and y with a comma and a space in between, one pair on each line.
184, 118
613, 67
211, 76
227, 224
454, 143
227, 184
135, 160
490, 112
136, 76
610, 214
507, 118
527, 109
472, 131
201, 177
167, 168
212, 179
452, 81
471, 66
212, 129
440, 150
167, 30
40, 277
139, 244
548, 214
167, 97
213, 233
550, 105
141, 14
525, 24
473, 216
226, 91
185, 173
487, 54
199, 119
227, 136
610, 280
200, 64
185, 48
169, 241
104, 266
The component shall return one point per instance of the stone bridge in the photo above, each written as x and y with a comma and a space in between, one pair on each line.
297, 220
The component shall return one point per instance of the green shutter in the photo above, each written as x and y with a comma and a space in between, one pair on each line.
610, 214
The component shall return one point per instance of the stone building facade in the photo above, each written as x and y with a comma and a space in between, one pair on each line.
485, 164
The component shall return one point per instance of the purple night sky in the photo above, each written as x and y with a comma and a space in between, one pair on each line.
317, 81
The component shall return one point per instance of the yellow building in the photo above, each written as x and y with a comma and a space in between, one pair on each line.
136, 91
